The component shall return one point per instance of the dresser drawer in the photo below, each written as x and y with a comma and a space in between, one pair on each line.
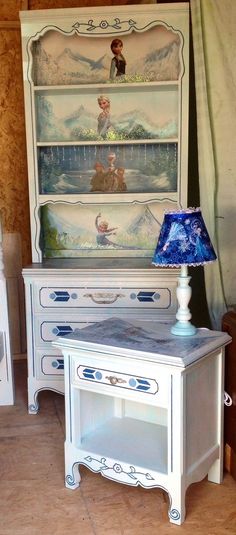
49, 329
49, 363
56, 297
126, 380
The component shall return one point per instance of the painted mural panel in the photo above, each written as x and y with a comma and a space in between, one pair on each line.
111, 115
62, 59
70, 231
131, 168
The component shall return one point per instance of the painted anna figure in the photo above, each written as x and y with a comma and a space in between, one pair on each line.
118, 63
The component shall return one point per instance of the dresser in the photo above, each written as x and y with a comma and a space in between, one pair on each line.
144, 407
61, 299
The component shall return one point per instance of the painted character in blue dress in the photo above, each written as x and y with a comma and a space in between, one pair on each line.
104, 120
103, 231
200, 242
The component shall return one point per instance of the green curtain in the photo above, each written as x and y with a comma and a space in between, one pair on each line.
214, 45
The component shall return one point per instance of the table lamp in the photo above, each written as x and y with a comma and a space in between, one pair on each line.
183, 241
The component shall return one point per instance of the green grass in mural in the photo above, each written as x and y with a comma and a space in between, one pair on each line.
134, 78
116, 134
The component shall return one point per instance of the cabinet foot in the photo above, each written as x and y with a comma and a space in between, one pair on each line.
72, 479
177, 509
215, 474
34, 389
33, 405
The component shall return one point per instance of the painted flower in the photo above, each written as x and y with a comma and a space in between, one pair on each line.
117, 468
117, 24
103, 24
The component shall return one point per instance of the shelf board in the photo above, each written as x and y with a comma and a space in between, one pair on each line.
72, 142
168, 84
118, 439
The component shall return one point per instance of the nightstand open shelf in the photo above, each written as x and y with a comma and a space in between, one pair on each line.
118, 438
116, 425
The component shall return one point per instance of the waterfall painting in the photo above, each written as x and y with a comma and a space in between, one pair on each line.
131, 168
71, 231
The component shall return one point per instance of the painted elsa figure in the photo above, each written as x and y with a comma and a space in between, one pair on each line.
103, 231
104, 122
199, 244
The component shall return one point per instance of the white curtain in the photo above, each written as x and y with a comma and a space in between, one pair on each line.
214, 45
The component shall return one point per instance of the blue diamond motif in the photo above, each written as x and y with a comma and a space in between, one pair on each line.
62, 330
59, 295
145, 296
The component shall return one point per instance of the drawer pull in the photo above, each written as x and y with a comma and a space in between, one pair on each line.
114, 380
104, 298
227, 399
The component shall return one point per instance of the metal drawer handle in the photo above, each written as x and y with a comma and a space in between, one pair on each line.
227, 399
114, 380
104, 299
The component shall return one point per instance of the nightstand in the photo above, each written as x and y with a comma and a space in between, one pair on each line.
144, 407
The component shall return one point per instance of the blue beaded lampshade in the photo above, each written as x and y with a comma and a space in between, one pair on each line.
183, 241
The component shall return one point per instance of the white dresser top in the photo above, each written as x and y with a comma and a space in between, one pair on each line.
154, 343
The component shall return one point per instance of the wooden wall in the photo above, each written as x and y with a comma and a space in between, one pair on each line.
14, 202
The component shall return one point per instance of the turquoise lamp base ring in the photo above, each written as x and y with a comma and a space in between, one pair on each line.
183, 328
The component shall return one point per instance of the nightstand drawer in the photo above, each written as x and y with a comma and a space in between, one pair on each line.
56, 297
127, 380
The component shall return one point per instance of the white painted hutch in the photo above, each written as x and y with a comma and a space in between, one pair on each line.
107, 155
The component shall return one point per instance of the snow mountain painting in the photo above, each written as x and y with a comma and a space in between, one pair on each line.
76, 231
153, 55
136, 115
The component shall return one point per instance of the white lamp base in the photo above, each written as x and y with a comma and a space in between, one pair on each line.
183, 326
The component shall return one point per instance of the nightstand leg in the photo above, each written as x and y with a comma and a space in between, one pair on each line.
177, 510
72, 475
